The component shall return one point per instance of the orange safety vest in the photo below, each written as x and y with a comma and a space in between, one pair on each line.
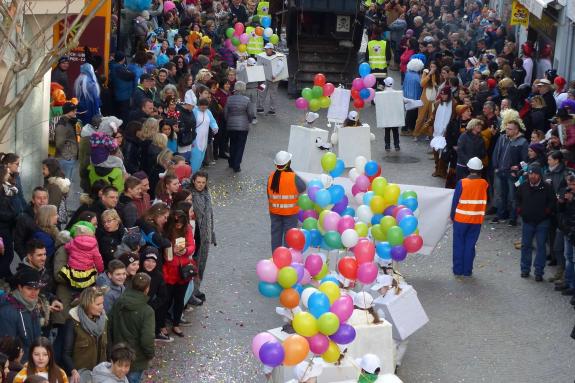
472, 202
284, 202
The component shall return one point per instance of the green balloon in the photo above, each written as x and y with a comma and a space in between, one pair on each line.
387, 222
324, 102
304, 202
395, 236
314, 105
307, 94
333, 239
328, 162
309, 223
322, 273
287, 277
408, 193
230, 32
328, 323
256, 19
274, 39
378, 233
235, 41
317, 91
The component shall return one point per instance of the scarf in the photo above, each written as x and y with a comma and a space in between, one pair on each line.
442, 117
95, 328
204, 216
9, 190
30, 306
366, 377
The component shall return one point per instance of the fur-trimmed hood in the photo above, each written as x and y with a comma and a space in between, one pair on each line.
62, 183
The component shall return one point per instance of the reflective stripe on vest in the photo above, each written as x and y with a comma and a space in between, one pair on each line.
285, 201
472, 202
376, 50
255, 45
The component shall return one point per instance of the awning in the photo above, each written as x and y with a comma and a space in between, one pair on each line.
536, 6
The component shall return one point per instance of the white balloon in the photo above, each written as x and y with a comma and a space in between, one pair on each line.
359, 198
353, 174
334, 139
364, 214
326, 180
349, 238
268, 32
360, 162
306, 294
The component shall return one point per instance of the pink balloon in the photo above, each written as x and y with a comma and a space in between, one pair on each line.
296, 256
318, 343
328, 89
355, 189
362, 182
342, 307
301, 103
306, 280
369, 81
364, 252
346, 222
244, 38
371, 95
313, 264
367, 272
267, 271
330, 221
357, 84
259, 340
239, 28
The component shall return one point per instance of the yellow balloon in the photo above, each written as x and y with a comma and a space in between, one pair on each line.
387, 222
332, 353
331, 289
321, 217
361, 229
242, 48
378, 185
305, 324
377, 204
391, 193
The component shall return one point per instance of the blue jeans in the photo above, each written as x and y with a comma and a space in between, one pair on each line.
135, 376
505, 196
569, 267
465, 237
539, 232
68, 167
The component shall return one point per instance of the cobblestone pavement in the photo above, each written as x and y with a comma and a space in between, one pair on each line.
495, 327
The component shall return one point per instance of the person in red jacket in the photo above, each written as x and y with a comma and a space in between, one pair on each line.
179, 267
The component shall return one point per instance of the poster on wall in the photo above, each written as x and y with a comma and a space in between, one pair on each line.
519, 14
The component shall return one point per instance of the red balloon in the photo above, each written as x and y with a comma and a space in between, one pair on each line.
364, 252
397, 209
347, 267
328, 89
295, 239
282, 257
355, 94
358, 104
319, 79
413, 243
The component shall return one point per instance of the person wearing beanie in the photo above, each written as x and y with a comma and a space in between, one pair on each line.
536, 153
150, 264
122, 80
238, 115
65, 140
132, 262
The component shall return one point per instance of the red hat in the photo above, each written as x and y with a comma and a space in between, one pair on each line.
527, 48
491, 83
560, 81
545, 51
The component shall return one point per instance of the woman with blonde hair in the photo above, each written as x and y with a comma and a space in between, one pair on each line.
109, 235
160, 140
429, 84
47, 231
150, 127
163, 164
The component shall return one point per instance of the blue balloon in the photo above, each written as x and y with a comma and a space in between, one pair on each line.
383, 250
307, 235
317, 183
367, 197
324, 245
316, 238
411, 203
339, 168
322, 197
299, 288
364, 94
318, 304
371, 168
269, 290
348, 211
337, 192
266, 21
376, 219
408, 224
364, 69
330, 278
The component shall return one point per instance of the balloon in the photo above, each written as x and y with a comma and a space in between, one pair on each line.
359, 198
307, 94
331, 290
343, 308
391, 193
244, 38
310, 223
287, 277
281, 257
315, 237
296, 255
312, 191
361, 229
408, 225
337, 193
376, 219
377, 204
331, 355
364, 252
347, 266
322, 273
360, 162
387, 222
268, 32
266, 21
369, 81
378, 233
413, 243
269, 290
305, 324
229, 33
274, 39
355, 94
371, 94
398, 253
324, 102
411, 203
367, 197
409, 193
313, 264
319, 80
349, 238
364, 214
339, 169
364, 94
318, 303
289, 298
295, 239
397, 209
267, 271
357, 84
323, 198
304, 202
259, 31
296, 349
235, 41
345, 223
328, 323
362, 182
367, 272
242, 48
314, 105
353, 173
341, 205
328, 89
328, 161
395, 235
358, 104
301, 103
378, 185
344, 335
364, 69
333, 239
259, 340
239, 28
272, 353
371, 168
330, 221
383, 250
306, 294
403, 213
318, 343
349, 211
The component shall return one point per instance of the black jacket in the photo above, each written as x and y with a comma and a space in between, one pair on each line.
108, 242
187, 126
469, 145
536, 203
132, 151
157, 294
25, 228
127, 210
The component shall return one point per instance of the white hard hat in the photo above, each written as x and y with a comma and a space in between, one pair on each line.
352, 115
369, 363
251, 61
310, 117
475, 164
269, 46
307, 370
362, 300
388, 82
282, 158
382, 280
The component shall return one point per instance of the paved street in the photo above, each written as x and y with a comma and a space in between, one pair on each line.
495, 327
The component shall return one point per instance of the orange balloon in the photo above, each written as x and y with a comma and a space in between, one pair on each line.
289, 298
296, 348
259, 31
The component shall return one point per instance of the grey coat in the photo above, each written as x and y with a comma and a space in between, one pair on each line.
65, 139
239, 113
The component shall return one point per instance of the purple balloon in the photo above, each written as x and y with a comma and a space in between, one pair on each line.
389, 210
318, 344
398, 253
340, 206
299, 269
369, 80
312, 191
300, 217
272, 354
362, 182
402, 214
309, 213
344, 335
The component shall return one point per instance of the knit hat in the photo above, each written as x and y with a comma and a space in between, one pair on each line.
101, 147
569, 105
63, 59
68, 107
534, 168
537, 148
149, 252
460, 109
133, 238
82, 228
129, 258
109, 125
560, 81
491, 83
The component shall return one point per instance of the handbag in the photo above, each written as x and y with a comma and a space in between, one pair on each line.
187, 271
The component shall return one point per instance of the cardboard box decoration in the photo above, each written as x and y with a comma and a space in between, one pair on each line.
271, 64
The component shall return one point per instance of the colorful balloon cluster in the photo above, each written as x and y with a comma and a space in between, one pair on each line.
239, 36
318, 97
322, 327
362, 87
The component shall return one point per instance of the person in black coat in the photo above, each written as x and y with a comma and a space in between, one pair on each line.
133, 147
149, 264
469, 144
25, 223
536, 118
8, 214
109, 235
